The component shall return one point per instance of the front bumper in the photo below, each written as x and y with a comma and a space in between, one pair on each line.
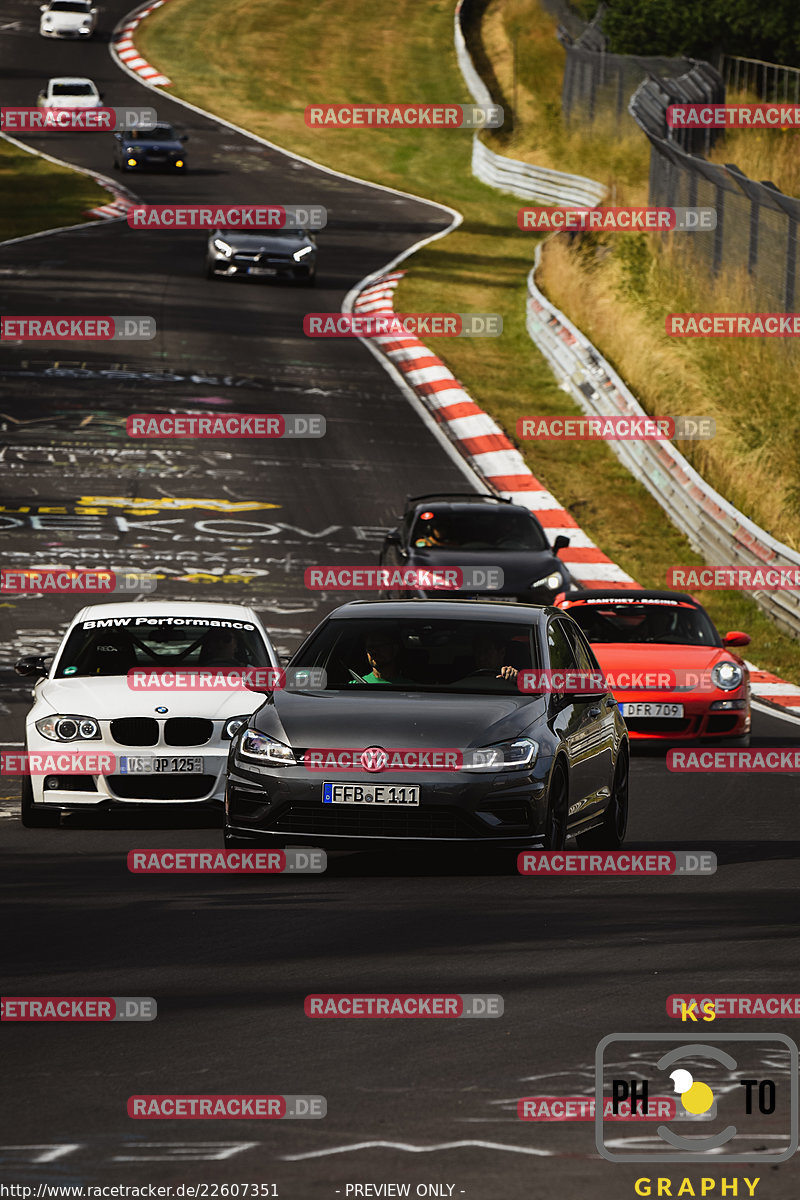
225, 267
699, 723
147, 164
504, 809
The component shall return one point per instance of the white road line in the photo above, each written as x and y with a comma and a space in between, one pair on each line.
411, 1149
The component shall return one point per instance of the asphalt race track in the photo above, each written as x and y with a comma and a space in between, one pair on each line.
230, 959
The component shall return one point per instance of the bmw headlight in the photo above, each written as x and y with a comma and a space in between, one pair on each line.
68, 728
233, 725
261, 748
553, 581
300, 254
223, 247
505, 756
727, 675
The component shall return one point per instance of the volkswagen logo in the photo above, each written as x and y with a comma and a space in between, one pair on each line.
374, 758
161, 709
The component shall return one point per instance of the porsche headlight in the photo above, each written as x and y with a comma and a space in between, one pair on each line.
233, 725
261, 748
300, 254
505, 756
223, 247
727, 675
553, 581
69, 728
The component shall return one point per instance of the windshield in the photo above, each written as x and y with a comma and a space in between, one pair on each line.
122, 643
663, 621
392, 654
73, 89
69, 6
162, 133
476, 529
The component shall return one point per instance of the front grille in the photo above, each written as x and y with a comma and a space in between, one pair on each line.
722, 724
161, 787
135, 731
658, 725
188, 731
366, 821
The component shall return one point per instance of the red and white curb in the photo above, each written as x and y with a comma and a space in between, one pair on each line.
113, 210
483, 443
127, 53
492, 456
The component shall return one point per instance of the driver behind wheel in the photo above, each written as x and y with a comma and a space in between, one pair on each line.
384, 655
489, 651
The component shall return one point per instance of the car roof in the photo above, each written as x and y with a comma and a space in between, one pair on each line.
166, 608
465, 504
70, 79
474, 610
630, 594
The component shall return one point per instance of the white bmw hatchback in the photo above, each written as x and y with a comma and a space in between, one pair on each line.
147, 745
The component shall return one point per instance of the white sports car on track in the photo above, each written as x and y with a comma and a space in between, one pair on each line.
67, 19
104, 733
69, 91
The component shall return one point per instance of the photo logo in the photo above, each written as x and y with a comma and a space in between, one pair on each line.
403, 116
617, 220
77, 329
741, 1087
229, 216
17, 120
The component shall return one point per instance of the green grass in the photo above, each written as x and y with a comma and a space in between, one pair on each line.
36, 194
403, 52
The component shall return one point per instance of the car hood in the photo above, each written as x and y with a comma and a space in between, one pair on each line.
109, 697
338, 720
263, 242
66, 20
520, 567
630, 657
73, 102
146, 147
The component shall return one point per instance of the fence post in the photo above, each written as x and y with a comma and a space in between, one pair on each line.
791, 260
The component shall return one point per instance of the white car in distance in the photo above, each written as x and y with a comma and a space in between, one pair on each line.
167, 746
69, 91
67, 19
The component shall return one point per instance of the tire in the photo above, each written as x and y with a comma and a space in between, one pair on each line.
115, 165
36, 816
555, 834
611, 833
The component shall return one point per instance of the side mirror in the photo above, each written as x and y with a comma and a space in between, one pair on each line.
393, 537
42, 8
560, 543
184, 137
735, 638
118, 136
31, 664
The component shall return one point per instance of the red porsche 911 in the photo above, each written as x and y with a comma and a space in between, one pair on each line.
675, 678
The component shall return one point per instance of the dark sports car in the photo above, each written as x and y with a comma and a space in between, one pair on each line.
159, 148
468, 529
273, 254
423, 735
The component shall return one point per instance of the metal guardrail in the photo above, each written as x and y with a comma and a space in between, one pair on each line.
510, 175
714, 528
771, 81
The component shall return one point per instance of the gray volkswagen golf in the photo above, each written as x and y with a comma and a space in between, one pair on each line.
422, 733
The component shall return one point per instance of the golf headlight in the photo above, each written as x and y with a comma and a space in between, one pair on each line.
299, 254
727, 675
261, 748
233, 725
505, 756
553, 581
60, 728
223, 247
